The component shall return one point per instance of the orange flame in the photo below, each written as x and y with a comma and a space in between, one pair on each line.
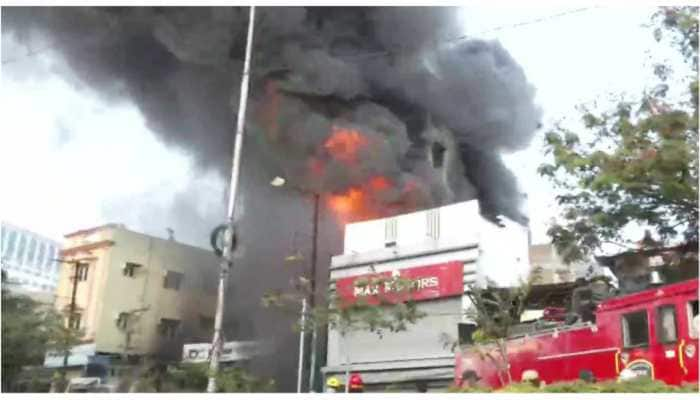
379, 183
360, 202
344, 144
349, 202
367, 201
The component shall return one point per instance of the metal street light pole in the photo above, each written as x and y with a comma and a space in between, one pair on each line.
300, 368
228, 236
312, 300
278, 182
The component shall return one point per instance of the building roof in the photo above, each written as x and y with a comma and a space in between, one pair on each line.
123, 227
86, 247
611, 261
95, 229
17, 228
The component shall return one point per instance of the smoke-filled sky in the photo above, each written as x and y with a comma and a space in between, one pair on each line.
72, 158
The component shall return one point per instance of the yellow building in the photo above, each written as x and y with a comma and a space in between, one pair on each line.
136, 294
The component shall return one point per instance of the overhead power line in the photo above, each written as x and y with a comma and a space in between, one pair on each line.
477, 34
538, 20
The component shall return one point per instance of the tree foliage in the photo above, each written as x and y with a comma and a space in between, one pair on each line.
389, 313
634, 164
496, 311
194, 377
29, 330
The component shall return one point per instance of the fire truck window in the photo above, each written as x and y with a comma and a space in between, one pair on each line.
666, 324
635, 329
693, 319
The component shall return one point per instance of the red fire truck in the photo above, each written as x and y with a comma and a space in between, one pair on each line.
650, 333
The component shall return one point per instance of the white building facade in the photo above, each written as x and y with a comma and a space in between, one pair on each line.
28, 259
446, 249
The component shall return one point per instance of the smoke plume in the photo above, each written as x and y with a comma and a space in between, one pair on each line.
375, 108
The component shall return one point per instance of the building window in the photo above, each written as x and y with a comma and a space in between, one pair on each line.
81, 271
20, 248
390, 232
666, 331
168, 328
635, 329
693, 319
130, 269
122, 320
438, 154
3, 235
433, 223
10, 248
40, 256
31, 252
74, 321
49, 256
172, 280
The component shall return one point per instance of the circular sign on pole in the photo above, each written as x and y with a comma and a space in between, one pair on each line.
217, 239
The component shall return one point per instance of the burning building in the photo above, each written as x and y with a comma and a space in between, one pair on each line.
443, 250
383, 111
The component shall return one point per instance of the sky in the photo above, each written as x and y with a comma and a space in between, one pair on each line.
589, 56
69, 160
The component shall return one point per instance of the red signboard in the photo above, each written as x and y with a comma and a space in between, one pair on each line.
419, 283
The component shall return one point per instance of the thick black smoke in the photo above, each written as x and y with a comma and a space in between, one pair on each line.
180, 66
437, 113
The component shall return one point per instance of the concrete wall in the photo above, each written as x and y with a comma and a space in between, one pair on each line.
422, 340
554, 270
503, 251
108, 292
453, 233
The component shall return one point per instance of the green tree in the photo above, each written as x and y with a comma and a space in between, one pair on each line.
496, 311
636, 164
391, 312
29, 330
193, 378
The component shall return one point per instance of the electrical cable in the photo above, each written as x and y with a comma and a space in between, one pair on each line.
52, 46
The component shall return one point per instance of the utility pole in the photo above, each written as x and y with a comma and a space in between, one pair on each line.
72, 306
347, 365
71, 310
71, 313
300, 368
312, 300
226, 260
